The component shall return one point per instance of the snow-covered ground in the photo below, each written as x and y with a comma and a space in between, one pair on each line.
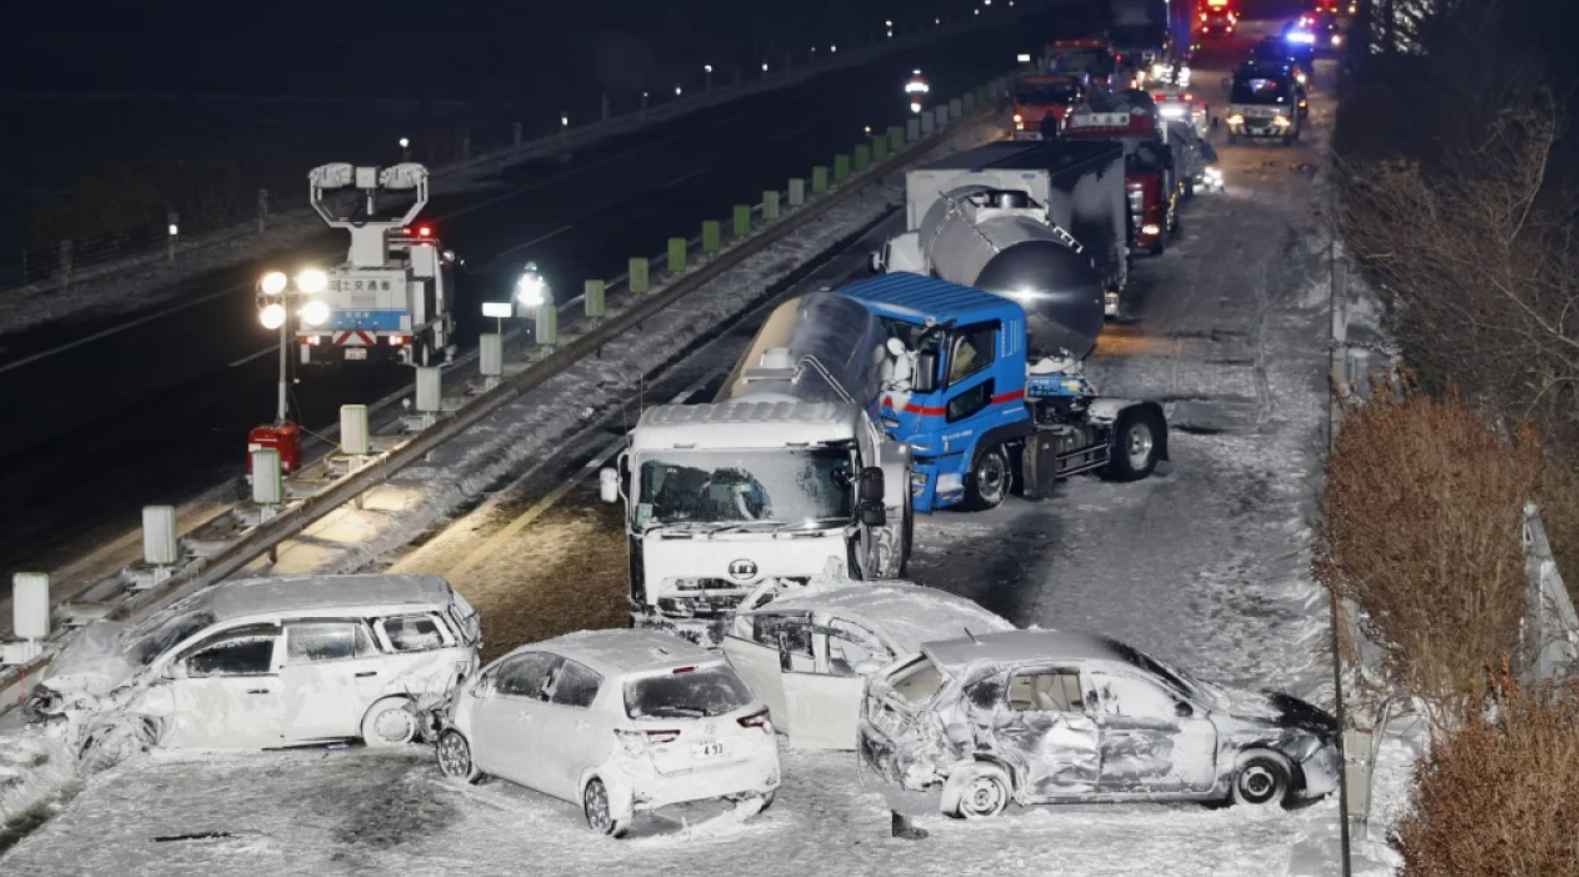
1205, 565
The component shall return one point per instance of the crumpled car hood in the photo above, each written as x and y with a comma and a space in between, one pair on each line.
1277, 709
95, 663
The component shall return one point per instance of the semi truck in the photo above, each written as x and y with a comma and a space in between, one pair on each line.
1140, 33
391, 299
783, 476
990, 404
1041, 222
1153, 183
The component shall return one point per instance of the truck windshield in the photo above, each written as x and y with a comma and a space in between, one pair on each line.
1256, 90
1046, 93
1091, 61
781, 485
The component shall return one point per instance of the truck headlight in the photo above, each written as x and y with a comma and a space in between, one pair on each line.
312, 281
1281, 121
315, 313
1236, 119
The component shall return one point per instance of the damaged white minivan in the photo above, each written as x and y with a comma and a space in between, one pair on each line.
265, 663
619, 721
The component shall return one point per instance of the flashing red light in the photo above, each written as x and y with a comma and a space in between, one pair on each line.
758, 719
424, 231
684, 670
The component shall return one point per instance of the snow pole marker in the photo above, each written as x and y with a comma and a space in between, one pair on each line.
676, 255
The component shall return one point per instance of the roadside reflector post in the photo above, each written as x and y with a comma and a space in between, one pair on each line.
356, 438
928, 123
912, 130
841, 168
263, 209
546, 320
863, 157
955, 109
797, 192
637, 281
515, 134
173, 234
879, 148
268, 485
161, 550
30, 617
742, 220
967, 104
711, 234
490, 359
819, 179
770, 205
430, 394
594, 295
676, 255
65, 263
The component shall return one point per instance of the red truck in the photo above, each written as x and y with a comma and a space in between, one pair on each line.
1040, 95
1150, 178
1092, 59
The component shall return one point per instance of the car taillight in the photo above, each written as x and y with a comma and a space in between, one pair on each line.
758, 719
636, 742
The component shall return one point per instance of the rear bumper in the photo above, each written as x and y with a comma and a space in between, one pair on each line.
650, 790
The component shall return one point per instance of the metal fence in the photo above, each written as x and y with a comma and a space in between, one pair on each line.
1551, 631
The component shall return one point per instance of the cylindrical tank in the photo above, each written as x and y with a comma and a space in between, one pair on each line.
841, 334
1018, 256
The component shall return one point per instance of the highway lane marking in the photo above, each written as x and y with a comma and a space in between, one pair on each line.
497, 540
264, 352
678, 180
55, 351
533, 242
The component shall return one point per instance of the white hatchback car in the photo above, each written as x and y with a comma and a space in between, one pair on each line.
618, 720
264, 663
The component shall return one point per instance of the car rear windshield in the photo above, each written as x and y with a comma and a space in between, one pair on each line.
917, 680
1258, 90
690, 694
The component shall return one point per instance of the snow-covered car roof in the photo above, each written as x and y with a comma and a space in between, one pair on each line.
765, 424
904, 614
1017, 646
312, 593
619, 651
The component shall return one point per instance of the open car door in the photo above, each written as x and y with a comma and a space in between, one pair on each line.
758, 665
823, 709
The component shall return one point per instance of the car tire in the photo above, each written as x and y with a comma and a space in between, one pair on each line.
1136, 443
1262, 780
978, 790
455, 758
762, 802
599, 810
113, 742
390, 722
989, 480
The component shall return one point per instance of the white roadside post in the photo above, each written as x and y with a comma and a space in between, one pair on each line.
928, 123
29, 618
174, 233
797, 192
268, 484
430, 395
490, 345
533, 299
356, 440
161, 548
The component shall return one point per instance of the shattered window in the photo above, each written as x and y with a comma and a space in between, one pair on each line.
791, 634
414, 633
240, 656
1127, 696
1056, 691
576, 686
849, 646
688, 694
308, 643
775, 487
917, 680
526, 675
154, 637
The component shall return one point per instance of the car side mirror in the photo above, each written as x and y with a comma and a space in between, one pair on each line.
609, 484
926, 377
1183, 710
875, 261
873, 514
871, 484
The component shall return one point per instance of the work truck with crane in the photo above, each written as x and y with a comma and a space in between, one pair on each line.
391, 299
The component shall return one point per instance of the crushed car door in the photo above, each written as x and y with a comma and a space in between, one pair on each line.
824, 702
505, 731
1153, 740
226, 692
1042, 722
757, 661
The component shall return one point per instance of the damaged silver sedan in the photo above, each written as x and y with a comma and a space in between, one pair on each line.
1034, 717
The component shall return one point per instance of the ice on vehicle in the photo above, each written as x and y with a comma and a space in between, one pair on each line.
1034, 717
619, 721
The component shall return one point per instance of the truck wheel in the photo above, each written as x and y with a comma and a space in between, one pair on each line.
989, 480
1137, 435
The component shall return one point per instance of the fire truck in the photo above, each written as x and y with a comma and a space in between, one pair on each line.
1092, 59
1152, 180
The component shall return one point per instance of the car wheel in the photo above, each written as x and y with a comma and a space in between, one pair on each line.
760, 802
989, 480
1261, 780
599, 810
455, 758
390, 722
1136, 443
111, 743
977, 791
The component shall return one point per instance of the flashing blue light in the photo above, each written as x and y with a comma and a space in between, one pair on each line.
1301, 36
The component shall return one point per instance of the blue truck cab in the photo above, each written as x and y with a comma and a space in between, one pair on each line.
982, 420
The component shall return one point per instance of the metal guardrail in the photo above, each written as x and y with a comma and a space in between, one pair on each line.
41, 270
296, 517
1551, 632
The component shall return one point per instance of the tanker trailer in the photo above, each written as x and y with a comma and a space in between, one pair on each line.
1041, 223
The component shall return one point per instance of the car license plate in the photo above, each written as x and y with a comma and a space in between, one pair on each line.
710, 749
356, 353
